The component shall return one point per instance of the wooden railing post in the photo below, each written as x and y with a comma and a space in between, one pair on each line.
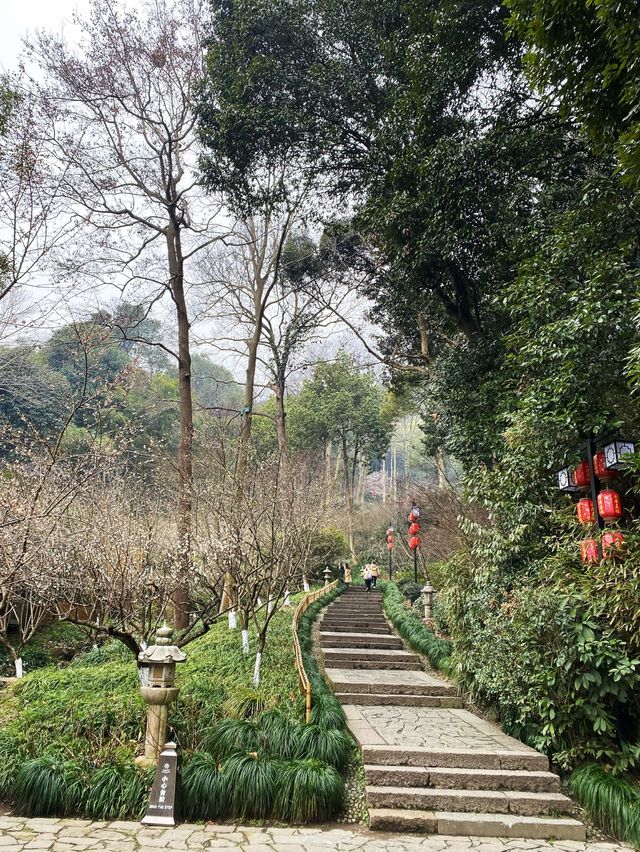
303, 606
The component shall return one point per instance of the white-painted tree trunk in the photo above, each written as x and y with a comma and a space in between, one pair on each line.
287, 598
233, 619
259, 601
245, 641
270, 605
305, 584
18, 665
256, 669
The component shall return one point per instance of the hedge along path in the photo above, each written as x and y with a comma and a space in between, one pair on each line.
431, 765
303, 678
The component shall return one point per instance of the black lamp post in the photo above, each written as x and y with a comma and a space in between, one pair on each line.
390, 546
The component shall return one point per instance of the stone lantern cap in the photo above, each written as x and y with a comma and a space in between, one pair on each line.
427, 588
162, 651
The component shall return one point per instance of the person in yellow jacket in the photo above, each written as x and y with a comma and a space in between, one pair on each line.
347, 574
375, 573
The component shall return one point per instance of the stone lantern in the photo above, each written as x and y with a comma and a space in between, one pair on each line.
427, 598
159, 690
327, 575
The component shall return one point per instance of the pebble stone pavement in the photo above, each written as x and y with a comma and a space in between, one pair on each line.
73, 835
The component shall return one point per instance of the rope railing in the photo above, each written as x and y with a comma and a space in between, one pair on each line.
303, 606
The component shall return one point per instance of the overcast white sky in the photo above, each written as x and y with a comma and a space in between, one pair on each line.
22, 16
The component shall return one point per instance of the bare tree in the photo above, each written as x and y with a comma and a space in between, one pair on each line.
34, 225
122, 124
262, 539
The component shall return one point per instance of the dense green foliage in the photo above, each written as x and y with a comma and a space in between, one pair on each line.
587, 55
409, 625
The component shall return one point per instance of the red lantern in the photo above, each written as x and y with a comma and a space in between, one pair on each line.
584, 509
581, 475
414, 542
609, 505
611, 541
390, 545
414, 529
390, 531
600, 467
414, 514
390, 539
589, 551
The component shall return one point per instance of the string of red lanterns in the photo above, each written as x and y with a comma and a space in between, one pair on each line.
414, 540
605, 464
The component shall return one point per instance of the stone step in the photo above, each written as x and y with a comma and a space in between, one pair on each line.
517, 802
370, 698
354, 625
376, 665
355, 628
475, 825
355, 611
386, 755
384, 655
375, 618
462, 779
392, 687
358, 640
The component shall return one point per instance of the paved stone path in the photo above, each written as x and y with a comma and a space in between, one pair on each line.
69, 835
429, 764
428, 728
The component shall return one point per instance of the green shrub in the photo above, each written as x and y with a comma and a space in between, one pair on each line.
327, 547
52, 644
326, 744
612, 801
411, 628
558, 679
410, 590
49, 786
118, 791
253, 782
205, 789
233, 736
309, 791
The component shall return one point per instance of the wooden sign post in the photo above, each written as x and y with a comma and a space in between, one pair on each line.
163, 803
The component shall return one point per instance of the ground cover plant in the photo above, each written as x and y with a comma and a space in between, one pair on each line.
612, 801
410, 626
68, 736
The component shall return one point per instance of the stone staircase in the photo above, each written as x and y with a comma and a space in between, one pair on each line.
430, 765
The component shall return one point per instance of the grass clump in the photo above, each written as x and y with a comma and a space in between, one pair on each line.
117, 791
413, 631
308, 791
205, 789
48, 785
612, 801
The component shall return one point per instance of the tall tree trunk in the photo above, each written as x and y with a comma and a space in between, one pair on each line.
441, 469
247, 411
327, 473
394, 475
384, 479
185, 450
348, 491
281, 427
